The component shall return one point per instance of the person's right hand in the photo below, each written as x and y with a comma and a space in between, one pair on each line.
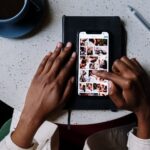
130, 89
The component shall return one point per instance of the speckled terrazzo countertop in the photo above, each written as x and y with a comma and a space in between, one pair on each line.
20, 58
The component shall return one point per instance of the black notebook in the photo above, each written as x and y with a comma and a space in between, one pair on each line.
71, 26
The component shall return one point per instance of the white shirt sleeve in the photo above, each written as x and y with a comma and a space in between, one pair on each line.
7, 144
46, 138
135, 143
117, 139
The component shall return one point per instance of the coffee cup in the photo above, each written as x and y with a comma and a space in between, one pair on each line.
21, 14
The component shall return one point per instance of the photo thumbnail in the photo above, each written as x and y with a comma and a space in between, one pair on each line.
93, 62
103, 64
82, 88
100, 88
89, 87
93, 78
100, 50
84, 77
83, 51
83, 42
101, 42
90, 50
83, 62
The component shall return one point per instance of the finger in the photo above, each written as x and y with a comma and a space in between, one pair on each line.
59, 61
124, 70
135, 71
138, 65
120, 81
115, 70
121, 67
133, 60
66, 71
129, 63
141, 75
52, 58
68, 90
43, 63
116, 96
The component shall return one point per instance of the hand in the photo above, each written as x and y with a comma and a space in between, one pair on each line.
51, 85
130, 89
50, 88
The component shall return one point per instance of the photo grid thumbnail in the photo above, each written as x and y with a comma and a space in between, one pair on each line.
93, 55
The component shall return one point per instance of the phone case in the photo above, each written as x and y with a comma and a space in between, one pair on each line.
71, 26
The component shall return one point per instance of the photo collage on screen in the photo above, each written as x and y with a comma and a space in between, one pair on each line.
93, 55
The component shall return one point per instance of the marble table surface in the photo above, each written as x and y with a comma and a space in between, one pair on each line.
20, 57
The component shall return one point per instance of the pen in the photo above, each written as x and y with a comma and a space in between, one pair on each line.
140, 17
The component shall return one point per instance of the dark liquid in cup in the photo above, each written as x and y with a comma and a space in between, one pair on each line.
9, 8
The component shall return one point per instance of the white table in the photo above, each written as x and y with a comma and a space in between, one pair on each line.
20, 58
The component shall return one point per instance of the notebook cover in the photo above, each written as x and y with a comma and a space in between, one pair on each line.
71, 26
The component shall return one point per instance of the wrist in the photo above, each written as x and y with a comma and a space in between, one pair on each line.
143, 117
143, 130
25, 131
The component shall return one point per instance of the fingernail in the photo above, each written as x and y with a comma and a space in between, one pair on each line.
59, 45
73, 55
49, 53
94, 71
69, 44
72, 80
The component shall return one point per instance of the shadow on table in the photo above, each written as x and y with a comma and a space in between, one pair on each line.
45, 21
124, 39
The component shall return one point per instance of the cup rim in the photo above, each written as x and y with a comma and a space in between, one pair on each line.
17, 15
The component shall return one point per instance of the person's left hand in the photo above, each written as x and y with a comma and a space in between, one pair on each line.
50, 88
52, 83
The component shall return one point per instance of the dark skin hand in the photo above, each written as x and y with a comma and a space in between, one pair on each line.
130, 90
49, 89
52, 85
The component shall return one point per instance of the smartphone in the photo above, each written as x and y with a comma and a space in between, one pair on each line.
93, 54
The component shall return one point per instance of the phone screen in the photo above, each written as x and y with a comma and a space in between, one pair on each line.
93, 55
